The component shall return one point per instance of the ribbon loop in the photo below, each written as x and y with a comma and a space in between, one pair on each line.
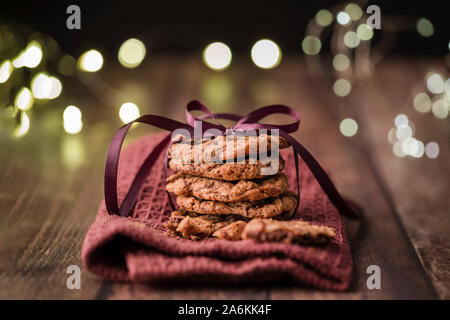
250, 121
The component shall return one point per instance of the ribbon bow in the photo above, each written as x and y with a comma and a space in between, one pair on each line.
250, 121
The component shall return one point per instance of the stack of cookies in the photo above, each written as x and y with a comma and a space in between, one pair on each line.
235, 200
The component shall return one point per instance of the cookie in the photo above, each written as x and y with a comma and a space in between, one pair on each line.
265, 208
226, 171
294, 231
211, 189
222, 148
231, 232
195, 227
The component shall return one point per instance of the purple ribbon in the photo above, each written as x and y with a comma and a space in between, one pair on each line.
250, 121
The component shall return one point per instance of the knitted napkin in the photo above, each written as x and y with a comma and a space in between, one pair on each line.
135, 248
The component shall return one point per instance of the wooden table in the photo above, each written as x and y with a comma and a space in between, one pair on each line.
51, 183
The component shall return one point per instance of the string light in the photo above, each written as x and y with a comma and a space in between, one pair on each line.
351, 39
425, 27
311, 45
131, 53
24, 125
435, 83
422, 102
72, 120
354, 11
24, 99
30, 57
324, 18
41, 86
364, 32
128, 112
6, 68
432, 150
343, 18
56, 88
217, 56
341, 62
266, 54
342, 87
91, 61
401, 120
440, 108
348, 127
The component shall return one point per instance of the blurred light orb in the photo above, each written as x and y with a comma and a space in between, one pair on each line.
403, 132
364, 32
91, 61
67, 65
217, 56
422, 102
342, 87
324, 18
440, 108
24, 125
266, 54
131, 53
391, 135
348, 127
401, 120
56, 88
354, 11
432, 150
435, 83
351, 39
397, 149
24, 99
6, 68
413, 147
72, 120
341, 62
343, 18
425, 27
311, 45
128, 112
30, 57
41, 86
447, 86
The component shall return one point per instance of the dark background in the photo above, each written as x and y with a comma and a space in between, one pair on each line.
181, 26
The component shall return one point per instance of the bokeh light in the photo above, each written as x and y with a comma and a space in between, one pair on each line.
6, 68
41, 86
425, 27
422, 102
217, 56
24, 125
342, 87
90, 61
56, 88
311, 45
343, 18
354, 11
266, 54
440, 108
324, 18
24, 99
435, 83
131, 53
432, 150
67, 65
30, 57
413, 147
397, 149
128, 112
348, 127
351, 39
341, 62
364, 32
401, 120
72, 120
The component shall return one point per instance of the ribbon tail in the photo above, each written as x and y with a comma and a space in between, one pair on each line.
350, 210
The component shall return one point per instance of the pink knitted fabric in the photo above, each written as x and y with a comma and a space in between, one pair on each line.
135, 248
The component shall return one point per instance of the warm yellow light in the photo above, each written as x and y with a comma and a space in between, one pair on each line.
354, 11
6, 68
324, 18
217, 56
91, 61
348, 127
131, 53
351, 39
41, 86
67, 65
425, 27
311, 45
343, 18
341, 62
24, 99
364, 32
24, 125
266, 54
30, 57
72, 120
128, 112
440, 108
56, 88
342, 87
422, 102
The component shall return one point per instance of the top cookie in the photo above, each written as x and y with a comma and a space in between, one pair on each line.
224, 148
